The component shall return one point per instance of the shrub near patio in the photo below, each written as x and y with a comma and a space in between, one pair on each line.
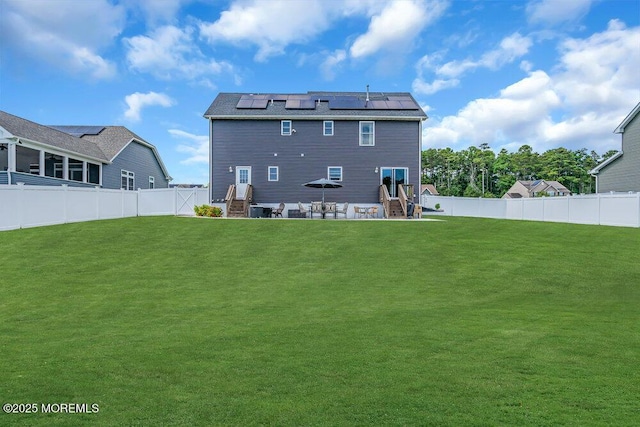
177, 321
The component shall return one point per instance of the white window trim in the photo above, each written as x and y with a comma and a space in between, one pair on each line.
269, 174
152, 182
329, 173
324, 128
282, 132
131, 179
373, 134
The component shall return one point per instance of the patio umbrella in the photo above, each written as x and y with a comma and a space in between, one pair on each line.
323, 183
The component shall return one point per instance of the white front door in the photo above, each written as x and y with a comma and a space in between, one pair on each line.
243, 179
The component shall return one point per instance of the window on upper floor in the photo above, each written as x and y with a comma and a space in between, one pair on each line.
334, 173
273, 173
152, 182
327, 128
367, 134
285, 127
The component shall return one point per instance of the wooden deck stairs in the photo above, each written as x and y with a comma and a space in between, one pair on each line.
396, 207
238, 207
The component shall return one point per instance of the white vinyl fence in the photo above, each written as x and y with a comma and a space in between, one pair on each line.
619, 209
24, 206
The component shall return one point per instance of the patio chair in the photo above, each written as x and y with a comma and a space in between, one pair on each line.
302, 209
278, 211
373, 212
330, 207
316, 207
344, 210
359, 212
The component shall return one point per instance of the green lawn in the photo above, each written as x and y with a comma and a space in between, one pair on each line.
191, 321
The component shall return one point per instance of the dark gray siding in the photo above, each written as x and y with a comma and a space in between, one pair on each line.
255, 142
29, 179
138, 159
623, 174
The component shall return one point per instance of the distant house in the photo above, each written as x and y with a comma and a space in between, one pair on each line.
265, 147
79, 156
537, 188
428, 190
132, 159
621, 172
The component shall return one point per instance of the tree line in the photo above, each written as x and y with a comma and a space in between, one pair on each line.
479, 172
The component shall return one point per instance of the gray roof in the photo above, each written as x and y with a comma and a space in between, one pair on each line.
316, 105
113, 139
110, 139
28, 130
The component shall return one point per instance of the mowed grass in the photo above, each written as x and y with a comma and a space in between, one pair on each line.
189, 321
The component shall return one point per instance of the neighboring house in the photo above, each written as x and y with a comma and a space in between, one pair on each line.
274, 143
621, 172
134, 163
526, 189
428, 190
106, 156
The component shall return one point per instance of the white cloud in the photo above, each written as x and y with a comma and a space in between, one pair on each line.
273, 25
158, 11
269, 25
66, 34
332, 63
601, 72
137, 101
196, 146
171, 52
397, 25
448, 74
554, 12
590, 91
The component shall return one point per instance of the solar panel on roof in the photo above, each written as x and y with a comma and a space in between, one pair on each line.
346, 103
300, 104
249, 101
377, 105
244, 103
79, 131
259, 103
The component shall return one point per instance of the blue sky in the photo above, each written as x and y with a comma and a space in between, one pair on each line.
548, 73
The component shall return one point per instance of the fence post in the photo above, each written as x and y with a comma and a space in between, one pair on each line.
638, 197
21, 204
599, 209
97, 188
175, 201
65, 202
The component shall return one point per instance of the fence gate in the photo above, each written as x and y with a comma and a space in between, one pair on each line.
185, 200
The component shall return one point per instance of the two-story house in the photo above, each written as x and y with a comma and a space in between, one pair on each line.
78, 156
621, 172
264, 147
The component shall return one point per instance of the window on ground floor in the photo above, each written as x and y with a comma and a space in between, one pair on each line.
127, 179
75, 170
273, 173
93, 173
334, 173
27, 160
